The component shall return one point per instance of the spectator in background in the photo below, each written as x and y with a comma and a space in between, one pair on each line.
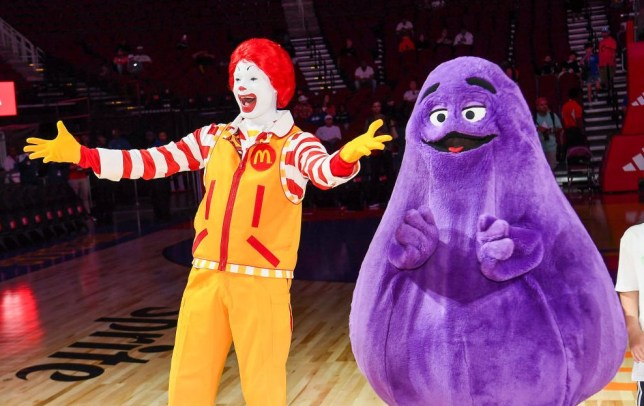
590, 72
379, 165
317, 117
302, 109
409, 98
120, 61
444, 38
327, 105
406, 44
411, 94
117, 141
139, 55
464, 37
56, 173
183, 42
405, 27
365, 76
348, 49
571, 65
548, 67
342, 117
549, 128
203, 59
573, 121
573, 124
422, 43
329, 134
104, 75
511, 71
137, 60
607, 53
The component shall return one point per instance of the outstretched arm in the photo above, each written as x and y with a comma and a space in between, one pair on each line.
506, 252
187, 154
307, 154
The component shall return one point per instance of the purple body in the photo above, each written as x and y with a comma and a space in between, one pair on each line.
481, 286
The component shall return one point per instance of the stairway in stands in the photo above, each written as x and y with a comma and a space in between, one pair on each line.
599, 117
316, 64
311, 53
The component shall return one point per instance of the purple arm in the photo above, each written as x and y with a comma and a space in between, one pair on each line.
415, 240
506, 252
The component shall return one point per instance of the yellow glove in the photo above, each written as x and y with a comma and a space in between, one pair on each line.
363, 145
63, 148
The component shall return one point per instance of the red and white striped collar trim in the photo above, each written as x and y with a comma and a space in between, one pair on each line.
280, 128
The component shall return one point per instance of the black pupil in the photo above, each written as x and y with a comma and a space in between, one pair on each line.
440, 117
469, 115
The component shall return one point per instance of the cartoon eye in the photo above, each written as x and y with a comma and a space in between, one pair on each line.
438, 117
474, 113
253, 79
237, 80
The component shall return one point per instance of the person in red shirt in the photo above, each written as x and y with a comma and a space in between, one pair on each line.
607, 52
573, 123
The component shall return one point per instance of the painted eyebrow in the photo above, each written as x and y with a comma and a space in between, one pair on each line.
430, 90
474, 81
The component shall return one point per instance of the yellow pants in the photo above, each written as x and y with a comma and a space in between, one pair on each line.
220, 307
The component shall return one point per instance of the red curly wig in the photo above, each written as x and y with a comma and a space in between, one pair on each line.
271, 58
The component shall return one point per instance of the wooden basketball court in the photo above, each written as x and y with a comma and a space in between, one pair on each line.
97, 328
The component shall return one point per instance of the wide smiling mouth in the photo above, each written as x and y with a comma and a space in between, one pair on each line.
247, 100
456, 142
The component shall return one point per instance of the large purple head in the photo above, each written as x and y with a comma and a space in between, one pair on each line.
467, 108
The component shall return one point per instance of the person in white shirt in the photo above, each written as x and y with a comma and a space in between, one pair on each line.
405, 27
464, 37
411, 94
365, 75
329, 134
630, 281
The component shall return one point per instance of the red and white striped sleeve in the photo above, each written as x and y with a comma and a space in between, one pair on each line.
311, 162
188, 154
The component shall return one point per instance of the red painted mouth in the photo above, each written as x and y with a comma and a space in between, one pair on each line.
247, 102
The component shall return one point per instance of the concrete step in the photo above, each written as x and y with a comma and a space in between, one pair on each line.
307, 61
598, 120
336, 86
610, 128
597, 138
297, 41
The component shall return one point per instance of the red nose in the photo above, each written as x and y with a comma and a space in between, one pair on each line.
242, 88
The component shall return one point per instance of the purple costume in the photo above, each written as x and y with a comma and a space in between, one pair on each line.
481, 286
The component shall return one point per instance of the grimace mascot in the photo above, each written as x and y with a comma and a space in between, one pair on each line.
481, 285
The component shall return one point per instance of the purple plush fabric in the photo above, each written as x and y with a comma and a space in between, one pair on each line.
481, 286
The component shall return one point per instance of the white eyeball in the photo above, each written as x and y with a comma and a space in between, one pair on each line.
474, 113
438, 117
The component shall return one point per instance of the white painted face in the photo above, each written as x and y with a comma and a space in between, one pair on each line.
253, 91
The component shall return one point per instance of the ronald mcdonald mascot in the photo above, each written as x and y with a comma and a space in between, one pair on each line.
247, 225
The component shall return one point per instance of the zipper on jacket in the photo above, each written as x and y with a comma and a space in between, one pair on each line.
225, 231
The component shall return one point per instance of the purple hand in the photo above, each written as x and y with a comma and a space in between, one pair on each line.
415, 240
506, 252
